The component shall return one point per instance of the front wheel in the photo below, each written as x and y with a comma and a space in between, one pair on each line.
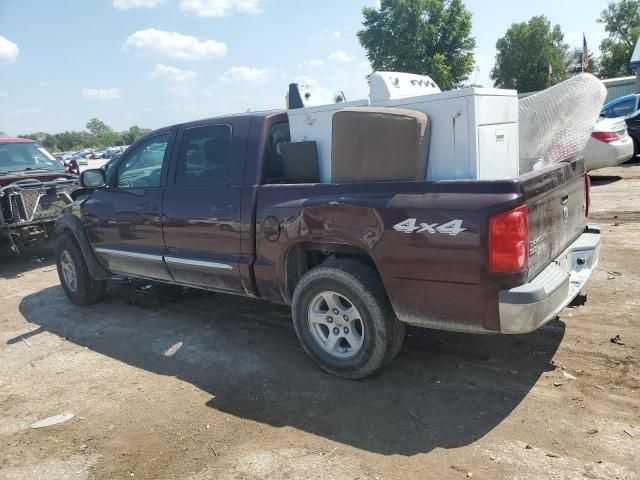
344, 320
78, 284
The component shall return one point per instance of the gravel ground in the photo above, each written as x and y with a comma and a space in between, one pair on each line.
205, 386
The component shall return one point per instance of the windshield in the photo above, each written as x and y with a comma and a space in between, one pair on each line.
17, 157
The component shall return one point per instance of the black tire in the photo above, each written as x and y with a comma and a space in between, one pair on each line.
361, 285
87, 290
396, 342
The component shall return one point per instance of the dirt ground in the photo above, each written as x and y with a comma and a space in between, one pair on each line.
207, 386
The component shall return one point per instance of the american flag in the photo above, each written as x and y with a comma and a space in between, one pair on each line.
585, 54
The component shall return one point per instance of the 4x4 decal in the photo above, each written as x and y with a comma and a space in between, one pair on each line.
454, 227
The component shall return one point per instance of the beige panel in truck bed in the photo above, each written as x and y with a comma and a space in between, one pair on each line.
379, 144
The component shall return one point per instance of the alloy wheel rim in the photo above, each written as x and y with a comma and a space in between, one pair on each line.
68, 271
336, 325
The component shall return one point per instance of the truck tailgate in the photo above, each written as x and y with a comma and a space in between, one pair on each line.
557, 206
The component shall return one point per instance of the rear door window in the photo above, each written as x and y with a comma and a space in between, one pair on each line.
204, 156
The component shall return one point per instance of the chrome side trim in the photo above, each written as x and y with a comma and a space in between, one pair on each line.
123, 253
197, 263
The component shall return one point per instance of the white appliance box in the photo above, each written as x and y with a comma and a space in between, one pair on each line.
474, 132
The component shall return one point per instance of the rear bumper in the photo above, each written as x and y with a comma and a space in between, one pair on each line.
529, 306
602, 155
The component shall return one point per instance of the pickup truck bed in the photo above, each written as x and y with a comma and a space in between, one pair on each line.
435, 277
356, 261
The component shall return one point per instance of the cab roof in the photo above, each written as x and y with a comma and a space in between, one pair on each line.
16, 140
618, 100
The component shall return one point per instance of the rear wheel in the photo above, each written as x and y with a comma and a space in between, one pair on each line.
78, 284
344, 320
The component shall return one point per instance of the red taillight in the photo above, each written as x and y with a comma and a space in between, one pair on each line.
587, 188
509, 241
606, 137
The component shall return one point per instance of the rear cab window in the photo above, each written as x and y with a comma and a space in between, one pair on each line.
273, 168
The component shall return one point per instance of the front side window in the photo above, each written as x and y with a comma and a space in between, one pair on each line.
204, 156
143, 166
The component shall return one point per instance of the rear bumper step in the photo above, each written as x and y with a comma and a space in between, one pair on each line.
529, 306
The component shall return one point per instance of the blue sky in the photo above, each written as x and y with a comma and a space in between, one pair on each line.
158, 62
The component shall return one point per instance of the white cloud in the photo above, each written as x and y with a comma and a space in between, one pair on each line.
43, 83
173, 45
4, 93
102, 93
220, 8
127, 4
173, 74
336, 35
8, 50
340, 56
248, 74
314, 62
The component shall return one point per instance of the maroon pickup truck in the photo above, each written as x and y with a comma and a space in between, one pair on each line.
212, 205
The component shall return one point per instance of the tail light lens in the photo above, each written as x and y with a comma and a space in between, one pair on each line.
587, 184
606, 137
509, 241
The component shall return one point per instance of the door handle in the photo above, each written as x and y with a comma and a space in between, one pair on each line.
225, 209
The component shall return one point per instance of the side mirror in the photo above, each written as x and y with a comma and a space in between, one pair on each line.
94, 178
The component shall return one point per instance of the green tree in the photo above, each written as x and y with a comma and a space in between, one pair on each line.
134, 133
39, 137
99, 134
428, 37
74, 140
525, 54
622, 22
97, 127
104, 135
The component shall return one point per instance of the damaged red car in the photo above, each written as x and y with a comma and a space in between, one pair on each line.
34, 188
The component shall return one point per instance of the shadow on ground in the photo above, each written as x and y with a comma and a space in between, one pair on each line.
604, 179
444, 390
13, 265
